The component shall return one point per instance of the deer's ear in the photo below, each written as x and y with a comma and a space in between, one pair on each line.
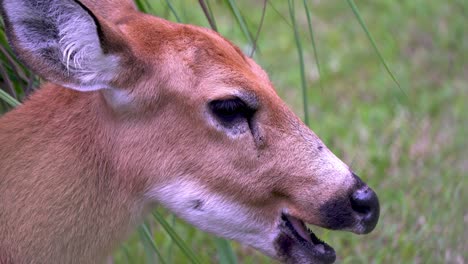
64, 42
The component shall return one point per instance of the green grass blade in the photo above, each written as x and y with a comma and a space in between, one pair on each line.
208, 14
245, 30
259, 29
126, 253
225, 252
279, 13
210, 10
300, 53
8, 99
175, 237
171, 245
312, 38
146, 235
174, 12
147, 249
141, 5
9, 86
15, 66
372, 41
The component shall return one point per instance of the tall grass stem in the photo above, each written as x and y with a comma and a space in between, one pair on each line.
175, 237
356, 12
300, 53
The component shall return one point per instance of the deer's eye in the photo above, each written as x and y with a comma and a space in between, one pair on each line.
231, 111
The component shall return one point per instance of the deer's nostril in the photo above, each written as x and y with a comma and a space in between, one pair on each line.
361, 201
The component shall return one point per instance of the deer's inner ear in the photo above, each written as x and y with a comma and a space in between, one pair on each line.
64, 42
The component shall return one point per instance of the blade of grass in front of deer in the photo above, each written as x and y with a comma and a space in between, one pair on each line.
356, 12
314, 47
175, 237
148, 242
240, 20
147, 248
171, 245
225, 253
300, 53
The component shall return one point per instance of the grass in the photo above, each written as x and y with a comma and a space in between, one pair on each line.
409, 144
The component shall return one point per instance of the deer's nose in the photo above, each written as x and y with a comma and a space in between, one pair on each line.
365, 204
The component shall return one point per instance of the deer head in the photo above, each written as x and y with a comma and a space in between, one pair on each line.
169, 114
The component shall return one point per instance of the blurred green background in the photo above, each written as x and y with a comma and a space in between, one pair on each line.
407, 142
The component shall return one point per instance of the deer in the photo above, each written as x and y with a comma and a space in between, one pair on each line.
137, 112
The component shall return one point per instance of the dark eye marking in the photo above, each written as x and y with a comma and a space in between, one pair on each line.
231, 110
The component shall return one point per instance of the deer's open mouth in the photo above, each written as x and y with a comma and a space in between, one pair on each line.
298, 244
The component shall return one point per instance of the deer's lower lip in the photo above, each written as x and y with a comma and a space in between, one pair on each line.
312, 249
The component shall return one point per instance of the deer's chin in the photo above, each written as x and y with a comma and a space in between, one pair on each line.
296, 243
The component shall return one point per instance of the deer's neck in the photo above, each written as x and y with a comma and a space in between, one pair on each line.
70, 199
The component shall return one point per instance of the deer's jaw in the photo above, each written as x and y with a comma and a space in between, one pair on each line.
215, 213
